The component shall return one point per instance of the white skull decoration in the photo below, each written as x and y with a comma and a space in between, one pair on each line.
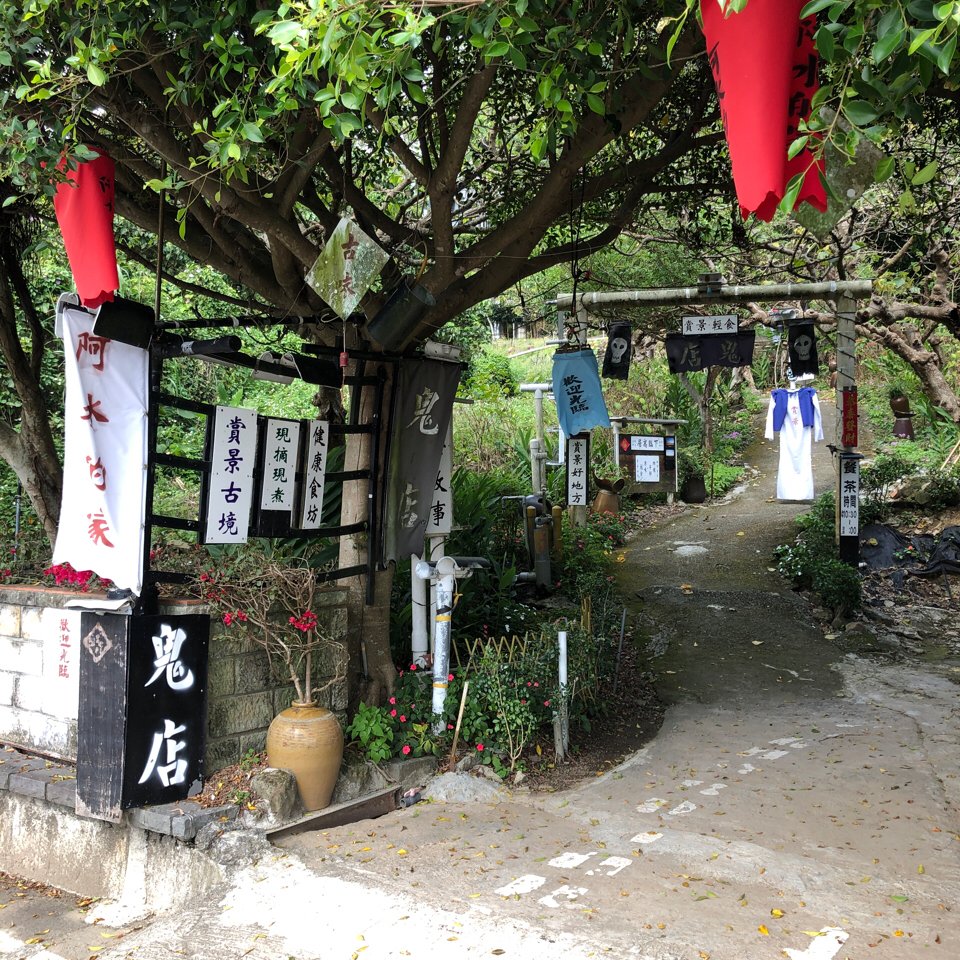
803, 346
618, 347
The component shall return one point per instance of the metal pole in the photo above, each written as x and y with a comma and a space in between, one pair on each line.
441, 654
419, 635
847, 515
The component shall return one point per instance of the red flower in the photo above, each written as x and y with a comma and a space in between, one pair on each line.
393, 713
449, 676
449, 726
536, 684
228, 618
406, 749
403, 719
480, 747
393, 700
413, 666
546, 703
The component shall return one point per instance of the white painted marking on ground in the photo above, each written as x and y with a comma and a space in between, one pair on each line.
752, 752
616, 864
747, 768
651, 836
714, 791
799, 745
692, 783
681, 808
824, 947
571, 859
565, 892
851, 723
775, 754
784, 741
525, 884
652, 805
10, 945
46, 955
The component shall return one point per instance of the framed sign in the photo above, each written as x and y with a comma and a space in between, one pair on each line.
314, 474
849, 499
649, 461
696, 326
578, 470
232, 454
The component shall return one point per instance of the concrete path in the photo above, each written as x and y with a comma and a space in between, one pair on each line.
796, 803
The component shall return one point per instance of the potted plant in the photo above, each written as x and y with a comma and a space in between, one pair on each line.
273, 602
899, 401
692, 470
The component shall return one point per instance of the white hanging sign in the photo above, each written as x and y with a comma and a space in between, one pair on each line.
645, 443
279, 469
697, 326
647, 469
314, 474
105, 452
230, 485
440, 521
849, 497
578, 462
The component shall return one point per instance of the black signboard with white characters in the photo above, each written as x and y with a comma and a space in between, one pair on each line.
802, 340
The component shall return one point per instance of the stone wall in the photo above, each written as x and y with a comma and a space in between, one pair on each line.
40, 674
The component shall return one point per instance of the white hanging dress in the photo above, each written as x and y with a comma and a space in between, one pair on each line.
795, 472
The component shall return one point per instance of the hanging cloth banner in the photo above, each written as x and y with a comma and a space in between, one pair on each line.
579, 396
686, 353
764, 64
802, 341
84, 208
424, 394
105, 452
616, 359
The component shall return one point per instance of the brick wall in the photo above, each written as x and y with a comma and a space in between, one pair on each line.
40, 668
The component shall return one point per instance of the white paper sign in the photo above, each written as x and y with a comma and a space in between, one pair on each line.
103, 503
646, 443
349, 263
696, 326
647, 470
440, 520
577, 466
314, 475
231, 475
849, 497
279, 469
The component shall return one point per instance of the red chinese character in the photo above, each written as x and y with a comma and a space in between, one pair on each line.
94, 346
349, 248
63, 671
98, 528
98, 473
92, 411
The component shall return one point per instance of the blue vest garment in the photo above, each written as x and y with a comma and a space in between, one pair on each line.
780, 407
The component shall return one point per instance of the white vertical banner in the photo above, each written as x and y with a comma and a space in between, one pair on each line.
440, 521
578, 462
230, 486
849, 497
314, 475
105, 452
279, 470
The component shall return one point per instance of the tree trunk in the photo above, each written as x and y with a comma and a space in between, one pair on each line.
372, 675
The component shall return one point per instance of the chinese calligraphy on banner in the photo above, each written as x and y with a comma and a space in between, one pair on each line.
688, 353
279, 470
349, 262
764, 63
230, 485
314, 475
725, 323
578, 464
441, 510
105, 452
424, 404
577, 390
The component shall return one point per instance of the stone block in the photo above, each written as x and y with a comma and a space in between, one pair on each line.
10, 619
257, 742
28, 694
31, 623
220, 677
239, 714
6, 768
6, 687
186, 826
278, 796
158, 819
252, 672
220, 753
229, 645
22, 656
63, 793
32, 784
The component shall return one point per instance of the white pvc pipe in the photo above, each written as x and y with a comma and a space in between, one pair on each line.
420, 635
564, 711
445, 568
562, 642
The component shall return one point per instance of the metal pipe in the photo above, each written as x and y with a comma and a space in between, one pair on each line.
562, 671
541, 551
441, 652
420, 636
557, 531
726, 294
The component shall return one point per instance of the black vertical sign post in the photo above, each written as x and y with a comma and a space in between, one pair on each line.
848, 507
142, 724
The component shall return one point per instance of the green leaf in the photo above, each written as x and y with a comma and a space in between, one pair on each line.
284, 32
826, 45
815, 6
233, 151
11, 199
252, 132
96, 75
596, 104
898, 898
945, 55
925, 175
884, 169
883, 48
859, 112
496, 49
920, 39
797, 146
789, 200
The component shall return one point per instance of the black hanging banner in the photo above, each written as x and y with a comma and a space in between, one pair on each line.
616, 359
802, 340
689, 353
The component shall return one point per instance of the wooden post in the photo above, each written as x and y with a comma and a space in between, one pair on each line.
847, 513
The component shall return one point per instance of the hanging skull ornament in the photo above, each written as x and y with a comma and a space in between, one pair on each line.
803, 346
618, 347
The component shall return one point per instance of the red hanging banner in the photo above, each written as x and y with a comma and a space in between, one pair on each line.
848, 429
764, 64
84, 208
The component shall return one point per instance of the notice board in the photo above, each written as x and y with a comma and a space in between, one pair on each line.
648, 462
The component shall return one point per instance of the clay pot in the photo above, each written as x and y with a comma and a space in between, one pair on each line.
694, 490
900, 405
307, 740
606, 501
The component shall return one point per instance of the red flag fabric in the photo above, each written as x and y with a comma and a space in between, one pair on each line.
84, 208
764, 64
